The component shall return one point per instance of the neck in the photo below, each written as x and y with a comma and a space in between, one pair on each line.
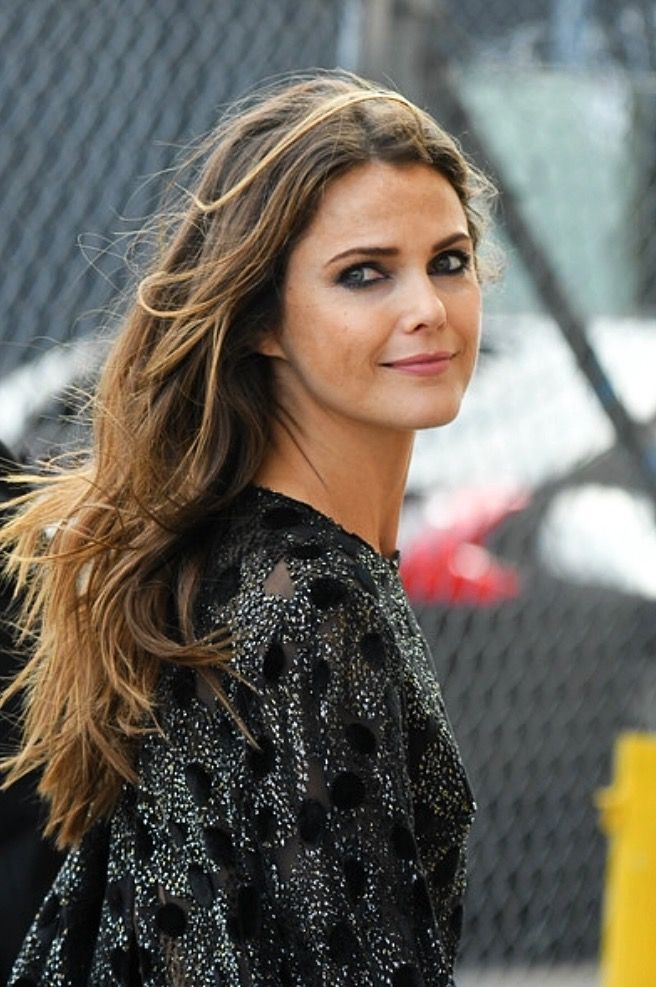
353, 474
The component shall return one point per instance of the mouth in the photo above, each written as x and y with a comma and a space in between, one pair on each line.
423, 364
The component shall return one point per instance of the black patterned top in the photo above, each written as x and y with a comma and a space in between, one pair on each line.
334, 855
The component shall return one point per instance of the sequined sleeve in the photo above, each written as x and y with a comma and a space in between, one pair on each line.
296, 864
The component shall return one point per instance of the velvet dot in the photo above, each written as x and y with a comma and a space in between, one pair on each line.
326, 592
278, 518
355, 877
199, 782
347, 790
372, 649
244, 700
201, 886
225, 584
455, 921
178, 832
407, 975
262, 761
264, 824
423, 906
171, 919
445, 871
365, 579
183, 686
361, 738
49, 911
320, 676
342, 942
273, 664
311, 820
309, 550
403, 842
219, 846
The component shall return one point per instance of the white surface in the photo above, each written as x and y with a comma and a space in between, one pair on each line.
31, 387
601, 535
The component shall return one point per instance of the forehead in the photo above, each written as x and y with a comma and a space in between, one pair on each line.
381, 200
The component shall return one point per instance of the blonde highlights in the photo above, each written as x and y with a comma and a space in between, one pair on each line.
108, 553
313, 120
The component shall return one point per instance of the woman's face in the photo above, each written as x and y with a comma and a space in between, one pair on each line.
381, 304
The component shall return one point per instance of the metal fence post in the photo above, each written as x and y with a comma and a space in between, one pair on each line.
628, 816
390, 42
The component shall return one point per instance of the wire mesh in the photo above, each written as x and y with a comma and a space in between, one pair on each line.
93, 99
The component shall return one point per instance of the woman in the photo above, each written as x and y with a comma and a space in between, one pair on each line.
232, 705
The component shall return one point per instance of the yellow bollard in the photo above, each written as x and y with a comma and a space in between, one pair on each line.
628, 816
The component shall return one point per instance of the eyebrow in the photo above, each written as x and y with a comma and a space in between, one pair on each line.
393, 251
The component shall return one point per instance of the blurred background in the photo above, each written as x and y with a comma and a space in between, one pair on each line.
528, 539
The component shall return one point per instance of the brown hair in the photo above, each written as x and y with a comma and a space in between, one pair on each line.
105, 553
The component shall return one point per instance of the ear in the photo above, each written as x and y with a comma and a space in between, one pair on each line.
268, 345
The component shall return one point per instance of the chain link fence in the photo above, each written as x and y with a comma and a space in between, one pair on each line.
528, 536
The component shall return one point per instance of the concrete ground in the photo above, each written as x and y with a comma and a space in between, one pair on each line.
558, 976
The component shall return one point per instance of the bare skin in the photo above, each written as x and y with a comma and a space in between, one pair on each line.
403, 286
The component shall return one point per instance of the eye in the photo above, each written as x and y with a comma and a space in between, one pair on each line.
361, 275
452, 262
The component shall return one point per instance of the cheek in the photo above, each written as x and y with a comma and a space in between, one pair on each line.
322, 338
469, 321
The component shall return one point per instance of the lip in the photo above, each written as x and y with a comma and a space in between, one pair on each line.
419, 358
423, 364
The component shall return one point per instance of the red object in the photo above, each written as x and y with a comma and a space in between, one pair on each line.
449, 563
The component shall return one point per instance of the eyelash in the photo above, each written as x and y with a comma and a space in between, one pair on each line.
343, 278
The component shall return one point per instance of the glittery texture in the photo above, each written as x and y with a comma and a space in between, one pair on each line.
334, 855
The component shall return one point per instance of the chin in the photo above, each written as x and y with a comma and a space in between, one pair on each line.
436, 417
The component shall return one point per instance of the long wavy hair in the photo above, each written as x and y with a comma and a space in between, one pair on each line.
106, 554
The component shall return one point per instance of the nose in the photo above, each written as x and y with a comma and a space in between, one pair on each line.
423, 307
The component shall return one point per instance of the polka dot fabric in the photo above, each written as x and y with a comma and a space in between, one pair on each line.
334, 854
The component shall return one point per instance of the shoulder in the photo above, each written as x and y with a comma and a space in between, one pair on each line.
273, 556
304, 614
294, 591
